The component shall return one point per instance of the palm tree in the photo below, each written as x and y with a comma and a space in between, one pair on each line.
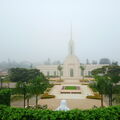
26, 90
100, 86
111, 75
21, 88
60, 70
82, 70
29, 93
39, 85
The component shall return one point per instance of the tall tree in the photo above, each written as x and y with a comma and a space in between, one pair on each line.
60, 70
39, 85
29, 93
112, 74
82, 70
21, 88
100, 86
26, 90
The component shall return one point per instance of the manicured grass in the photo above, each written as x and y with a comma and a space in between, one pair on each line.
70, 88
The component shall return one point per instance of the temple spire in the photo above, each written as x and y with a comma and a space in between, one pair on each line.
71, 44
71, 31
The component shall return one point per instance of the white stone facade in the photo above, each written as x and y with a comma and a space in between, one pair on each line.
70, 68
52, 70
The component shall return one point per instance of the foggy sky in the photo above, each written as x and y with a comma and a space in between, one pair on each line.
35, 30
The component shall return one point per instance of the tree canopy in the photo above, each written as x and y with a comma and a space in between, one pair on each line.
23, 74
107, 80
39, 85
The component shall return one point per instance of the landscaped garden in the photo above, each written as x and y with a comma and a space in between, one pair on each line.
37, 87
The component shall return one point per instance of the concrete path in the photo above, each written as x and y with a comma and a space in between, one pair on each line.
85, 91
74, 101
71, 103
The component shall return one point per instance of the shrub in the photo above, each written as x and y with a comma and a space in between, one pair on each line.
57, 84
85, 80
5, 95
60, 80
85, 84
95, 96
41, 107
47, 96
109, 113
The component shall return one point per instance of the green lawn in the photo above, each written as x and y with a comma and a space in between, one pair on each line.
70, 88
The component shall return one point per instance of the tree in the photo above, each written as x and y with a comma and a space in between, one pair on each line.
23, 74
99, 71
100, 86
117, 96
60, 70
82, 70
112, 75
105, 61
39, 85
115, 63
1, 82
24, 89
29, 93
21, 88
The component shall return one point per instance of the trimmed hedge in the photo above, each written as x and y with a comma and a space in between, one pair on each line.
5, 95
95, 96
110, 113
47, 96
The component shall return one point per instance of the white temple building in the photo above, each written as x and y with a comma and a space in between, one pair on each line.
70, 68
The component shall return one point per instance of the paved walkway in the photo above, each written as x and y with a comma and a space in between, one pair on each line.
85, 91
75, 101
71, 103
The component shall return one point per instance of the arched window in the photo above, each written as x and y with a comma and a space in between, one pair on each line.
71, 73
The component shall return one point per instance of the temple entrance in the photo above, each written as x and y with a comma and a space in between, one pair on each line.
71, 73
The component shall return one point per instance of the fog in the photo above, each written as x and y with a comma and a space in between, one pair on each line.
35, 30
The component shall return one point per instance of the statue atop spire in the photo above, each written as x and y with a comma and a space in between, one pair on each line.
71, 44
